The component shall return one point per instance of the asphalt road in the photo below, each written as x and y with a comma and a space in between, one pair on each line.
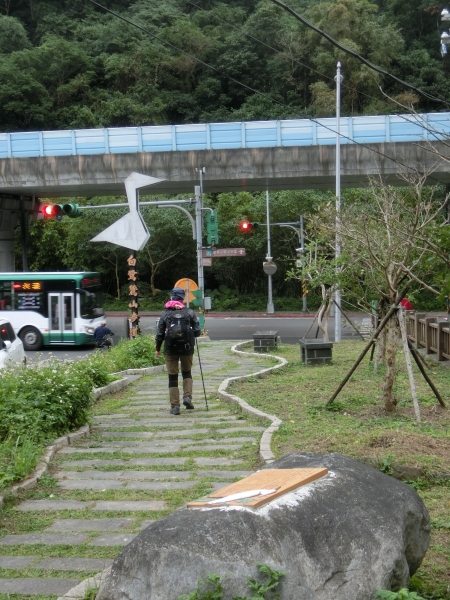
289, 328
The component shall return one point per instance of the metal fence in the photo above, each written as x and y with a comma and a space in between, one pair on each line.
206, 136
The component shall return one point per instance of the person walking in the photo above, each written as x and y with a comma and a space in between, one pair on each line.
100, 334
178, 326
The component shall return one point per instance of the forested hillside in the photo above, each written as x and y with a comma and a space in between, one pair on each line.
71, 64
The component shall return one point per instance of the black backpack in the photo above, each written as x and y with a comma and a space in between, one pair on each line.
178, 328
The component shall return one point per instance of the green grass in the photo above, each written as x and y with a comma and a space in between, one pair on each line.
357, 425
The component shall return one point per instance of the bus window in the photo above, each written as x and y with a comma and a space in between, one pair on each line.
5, 303
91, 304
5, 295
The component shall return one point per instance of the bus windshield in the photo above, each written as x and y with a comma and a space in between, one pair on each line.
91, 303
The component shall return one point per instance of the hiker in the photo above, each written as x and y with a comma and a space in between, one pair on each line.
102, 334
406, 304
178, 327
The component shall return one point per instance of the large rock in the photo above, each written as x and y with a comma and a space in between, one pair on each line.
342, 537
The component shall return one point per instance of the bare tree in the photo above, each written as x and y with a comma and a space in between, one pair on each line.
389, 238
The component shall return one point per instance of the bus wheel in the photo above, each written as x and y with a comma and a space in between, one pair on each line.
31, 338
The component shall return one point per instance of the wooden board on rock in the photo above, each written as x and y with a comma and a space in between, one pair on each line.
266, 485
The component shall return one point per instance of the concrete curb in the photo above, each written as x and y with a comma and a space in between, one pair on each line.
68, 439
264, 448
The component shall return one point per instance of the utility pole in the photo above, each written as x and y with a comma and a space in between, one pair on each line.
337, 294
270, 307
199, 231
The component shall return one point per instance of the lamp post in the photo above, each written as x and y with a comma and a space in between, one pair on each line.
445, 37
337, 294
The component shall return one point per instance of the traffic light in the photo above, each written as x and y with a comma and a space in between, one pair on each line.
197, 301
212, 228
57, 211
247, 226
52, 211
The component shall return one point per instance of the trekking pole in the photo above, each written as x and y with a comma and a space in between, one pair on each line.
201, 373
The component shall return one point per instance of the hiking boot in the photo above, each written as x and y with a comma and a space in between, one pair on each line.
188, 402
175, 410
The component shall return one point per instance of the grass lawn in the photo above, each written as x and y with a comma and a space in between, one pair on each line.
357, 425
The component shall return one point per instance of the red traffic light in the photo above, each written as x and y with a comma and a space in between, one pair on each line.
51, 211
247, 226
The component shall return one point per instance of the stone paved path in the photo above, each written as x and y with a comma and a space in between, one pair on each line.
140, 463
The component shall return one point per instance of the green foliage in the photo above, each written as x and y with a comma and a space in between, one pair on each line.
403, 594
212, 588
41, 401
18, 457
133, 354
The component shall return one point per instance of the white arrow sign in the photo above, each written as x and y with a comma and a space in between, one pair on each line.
130, 231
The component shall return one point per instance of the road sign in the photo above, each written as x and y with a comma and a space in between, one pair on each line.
223, 252
207, 262
189, 286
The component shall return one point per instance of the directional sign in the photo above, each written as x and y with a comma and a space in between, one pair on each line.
223, 252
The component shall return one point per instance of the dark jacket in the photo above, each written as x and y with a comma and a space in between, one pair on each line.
100, 333
195, 330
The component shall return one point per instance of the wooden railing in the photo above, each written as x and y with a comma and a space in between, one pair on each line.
430, 333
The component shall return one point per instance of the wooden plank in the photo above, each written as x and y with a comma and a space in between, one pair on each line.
282, 480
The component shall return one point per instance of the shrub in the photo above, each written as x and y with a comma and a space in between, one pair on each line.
44, 401
133, 354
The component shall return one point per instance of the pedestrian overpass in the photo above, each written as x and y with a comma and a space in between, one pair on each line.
252, 156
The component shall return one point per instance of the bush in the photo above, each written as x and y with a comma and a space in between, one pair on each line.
133, 354
41, 402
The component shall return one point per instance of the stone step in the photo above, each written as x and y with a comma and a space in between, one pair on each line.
164, 443
76, 525
151, 462
150, 449
127, 475
108, 484
106, 505
74, 564
32, 586
47, 539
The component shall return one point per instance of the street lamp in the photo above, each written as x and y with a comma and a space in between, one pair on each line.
445, 37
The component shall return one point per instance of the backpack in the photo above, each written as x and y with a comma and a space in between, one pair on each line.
178, 328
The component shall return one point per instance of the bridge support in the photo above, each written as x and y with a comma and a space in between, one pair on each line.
14, 211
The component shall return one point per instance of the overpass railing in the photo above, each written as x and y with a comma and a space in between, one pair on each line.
430, 333
206, 136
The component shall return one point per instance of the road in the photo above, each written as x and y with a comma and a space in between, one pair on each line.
290, 329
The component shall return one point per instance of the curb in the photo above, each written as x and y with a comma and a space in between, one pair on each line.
69, 438
264, 448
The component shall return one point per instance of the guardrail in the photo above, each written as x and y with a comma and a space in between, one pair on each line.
430, 333
207, 136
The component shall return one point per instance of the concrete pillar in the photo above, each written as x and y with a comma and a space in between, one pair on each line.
8, 222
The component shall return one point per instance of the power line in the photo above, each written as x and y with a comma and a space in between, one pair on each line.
244, 85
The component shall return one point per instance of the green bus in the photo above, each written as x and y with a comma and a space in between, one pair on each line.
48, 309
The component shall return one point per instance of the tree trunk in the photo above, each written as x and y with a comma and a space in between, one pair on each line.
380, 356
391, 351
